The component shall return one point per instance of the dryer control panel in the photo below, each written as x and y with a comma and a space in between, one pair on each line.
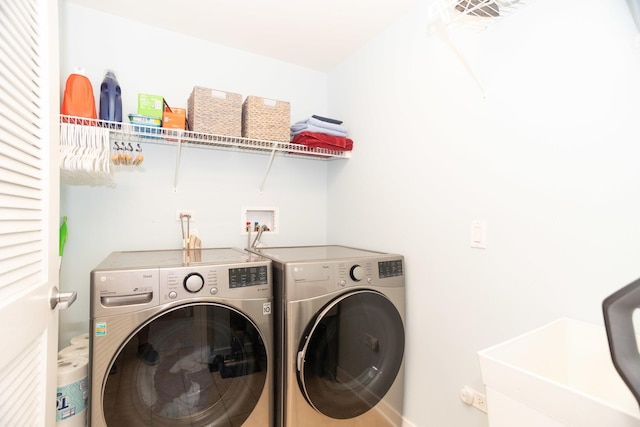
314, 278
391, 268
355, 273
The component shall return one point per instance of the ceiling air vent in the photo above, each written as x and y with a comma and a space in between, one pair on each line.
446, 17
476, 14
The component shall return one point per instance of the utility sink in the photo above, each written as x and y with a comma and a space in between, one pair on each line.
558, 375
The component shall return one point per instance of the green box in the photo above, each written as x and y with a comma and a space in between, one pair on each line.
150, 105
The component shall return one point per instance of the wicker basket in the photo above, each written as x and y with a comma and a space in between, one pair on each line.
215, 111
266, 119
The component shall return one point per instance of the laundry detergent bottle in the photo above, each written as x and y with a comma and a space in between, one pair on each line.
78, 97
110, 98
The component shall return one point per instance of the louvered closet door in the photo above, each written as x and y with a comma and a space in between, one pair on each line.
29, 217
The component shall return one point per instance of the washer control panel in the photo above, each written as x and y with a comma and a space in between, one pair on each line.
241, 281
123, 291
130, 281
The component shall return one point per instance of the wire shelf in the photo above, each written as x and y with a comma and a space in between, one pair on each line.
158, 135
138, 133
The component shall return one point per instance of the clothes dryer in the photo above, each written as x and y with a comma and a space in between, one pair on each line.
181, 338
340, 335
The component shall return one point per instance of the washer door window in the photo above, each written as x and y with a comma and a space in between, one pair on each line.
351, 354
198, 365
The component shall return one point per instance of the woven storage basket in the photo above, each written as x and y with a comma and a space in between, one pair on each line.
215, 111
266, 119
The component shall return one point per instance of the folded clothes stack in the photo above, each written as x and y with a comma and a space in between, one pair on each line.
321, 132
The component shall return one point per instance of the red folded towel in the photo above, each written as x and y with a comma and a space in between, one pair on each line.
321, 140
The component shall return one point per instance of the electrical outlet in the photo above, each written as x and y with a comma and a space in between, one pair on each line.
473, 398
480, 402
183, 212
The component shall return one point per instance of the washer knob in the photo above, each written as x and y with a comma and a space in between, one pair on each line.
357, 273
193, 282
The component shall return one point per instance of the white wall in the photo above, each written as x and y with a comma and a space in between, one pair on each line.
139, 212
547, 155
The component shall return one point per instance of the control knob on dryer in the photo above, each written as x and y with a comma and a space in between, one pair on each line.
193, 282
357, 273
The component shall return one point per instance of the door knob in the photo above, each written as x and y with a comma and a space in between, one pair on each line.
62, 299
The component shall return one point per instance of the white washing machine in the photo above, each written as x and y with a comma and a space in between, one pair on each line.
339, 336
181, 338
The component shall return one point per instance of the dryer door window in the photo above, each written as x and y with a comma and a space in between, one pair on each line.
351, 354
198, 365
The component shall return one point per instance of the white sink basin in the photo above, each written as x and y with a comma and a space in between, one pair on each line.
557, 375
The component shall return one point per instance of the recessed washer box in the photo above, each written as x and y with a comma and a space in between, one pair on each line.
558, 375
264, 215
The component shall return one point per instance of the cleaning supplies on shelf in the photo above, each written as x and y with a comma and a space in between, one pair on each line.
146, 125
78, 98
110, 98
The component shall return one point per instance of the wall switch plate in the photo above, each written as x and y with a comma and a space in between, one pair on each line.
479, 234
